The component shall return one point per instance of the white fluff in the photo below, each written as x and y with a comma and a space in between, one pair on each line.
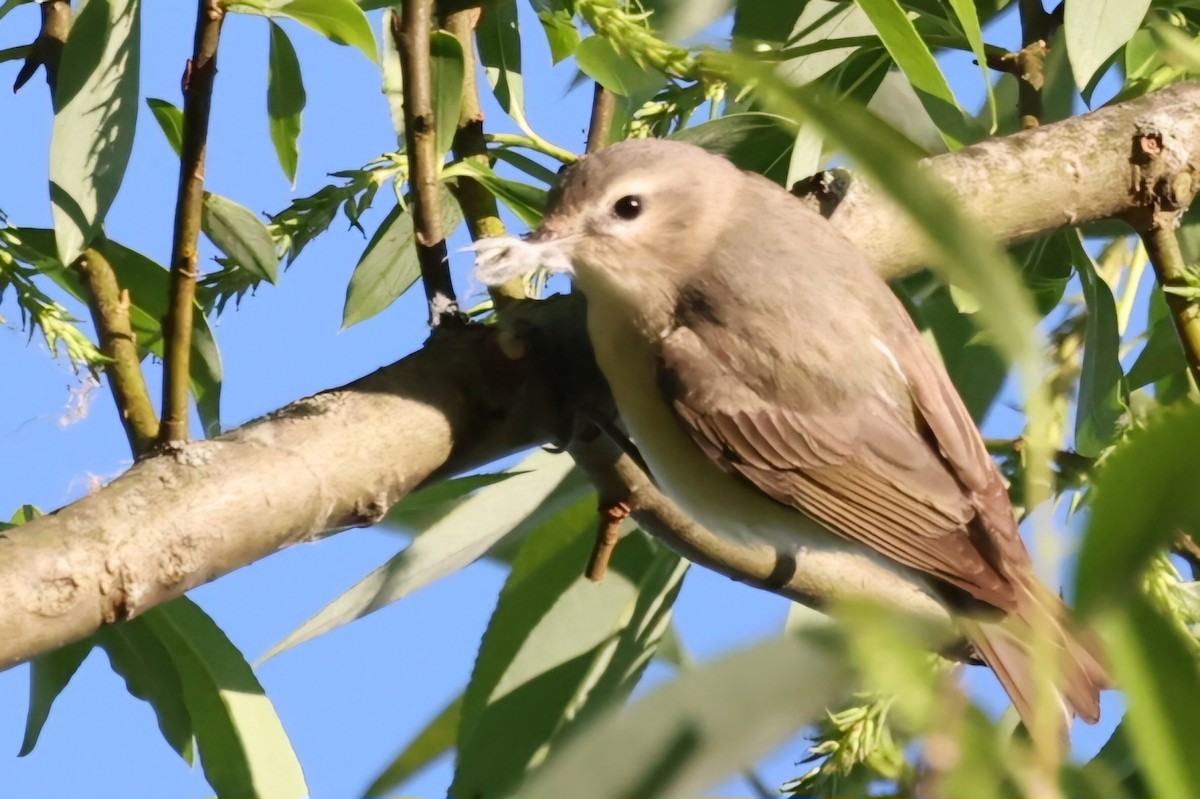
502, 258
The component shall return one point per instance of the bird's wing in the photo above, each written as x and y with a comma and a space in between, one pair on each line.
913, 483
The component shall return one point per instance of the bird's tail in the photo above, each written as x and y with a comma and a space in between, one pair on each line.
1009, 646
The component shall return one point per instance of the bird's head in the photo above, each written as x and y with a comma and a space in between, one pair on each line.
638, 216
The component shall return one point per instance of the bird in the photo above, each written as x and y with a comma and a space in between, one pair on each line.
779, 392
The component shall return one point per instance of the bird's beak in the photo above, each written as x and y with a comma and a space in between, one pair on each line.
502, 258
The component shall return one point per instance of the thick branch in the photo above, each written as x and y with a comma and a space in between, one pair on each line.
110, 313
198, 80
420, 136
193, 514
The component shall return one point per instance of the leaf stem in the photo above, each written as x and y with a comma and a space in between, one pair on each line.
411, 34
535, 143
1166, 257
109, 305
198, 78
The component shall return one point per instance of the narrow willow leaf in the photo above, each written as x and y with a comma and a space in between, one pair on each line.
527, 202
766, 20
756, 142
1157, 669
687, 735
558, 646
339, 21
1101, 405
1144, 497
48, 676
392, 73
285, 101
558, 22
1095, 29
96, 102
600, 60
147, 283
170, 118
968, 20
240, 235
141, 658
916, 61
435, 740
677, 20
388, 265
543, 485
427, 505
446, 64
1162, 356
499, 41
525, 164
9, 5
243, 747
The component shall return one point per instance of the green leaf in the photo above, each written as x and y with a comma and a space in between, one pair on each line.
339, 21
1095, 29
9, 5
388, 266
243, 747
48, 676
766, 20
600, 60
687, 735
542, 485
499, 41
285, 101
1162, 356
430, 743
1158, 671
392, 73
427, 505
94, 123
147, 284
559, 646
756, 142
525, 164
527, 202
676, 20
558, 22
915, 60
240, 235
170, 119
141, 658
1101, 405
1046, 267
968, 20
446, 63
1144, 496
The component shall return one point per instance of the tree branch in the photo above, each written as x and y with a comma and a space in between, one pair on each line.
110, 313
604, 105
46, 49
175, 521
420, 136
198, 79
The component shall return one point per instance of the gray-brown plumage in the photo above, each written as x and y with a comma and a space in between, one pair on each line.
779, 391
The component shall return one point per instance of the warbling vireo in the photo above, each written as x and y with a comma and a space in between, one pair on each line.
779, 392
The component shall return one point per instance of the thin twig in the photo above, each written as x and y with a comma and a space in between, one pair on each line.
478, 205
411, 33
604, 106
608, 535
1167, 259
198, 79
46, 49
1036, 27
109, 305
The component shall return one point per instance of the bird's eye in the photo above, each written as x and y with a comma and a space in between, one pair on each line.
628, 207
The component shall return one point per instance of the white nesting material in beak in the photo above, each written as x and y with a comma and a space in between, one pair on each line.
502, 258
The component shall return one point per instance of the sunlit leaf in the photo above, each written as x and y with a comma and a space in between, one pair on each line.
339, 21
240, 235
600, 60
1144, 496
968, 19
446, 64
423, 507
97, 103
692, 732
436, 739
543, 486
170, 118
285, 101
48, 676
393, 73
499, 40
1095, 29
243, 747
1162, 356
559, 24
527, 202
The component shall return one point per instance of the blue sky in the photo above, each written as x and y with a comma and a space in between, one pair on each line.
351, 699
